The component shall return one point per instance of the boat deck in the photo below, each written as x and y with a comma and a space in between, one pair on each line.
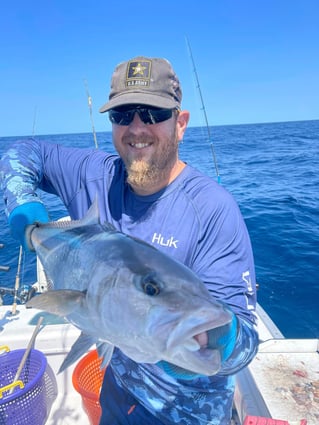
282, 382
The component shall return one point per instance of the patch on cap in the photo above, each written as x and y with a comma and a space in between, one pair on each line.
138, 73
144, 81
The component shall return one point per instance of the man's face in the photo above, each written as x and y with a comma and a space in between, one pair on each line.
150, 151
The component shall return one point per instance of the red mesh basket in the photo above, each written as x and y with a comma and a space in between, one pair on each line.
87, 379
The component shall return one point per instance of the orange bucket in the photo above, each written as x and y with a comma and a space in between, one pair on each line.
87, 380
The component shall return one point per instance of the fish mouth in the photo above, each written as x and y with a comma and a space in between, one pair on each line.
192, 339
190, 350
202, 339
182, 339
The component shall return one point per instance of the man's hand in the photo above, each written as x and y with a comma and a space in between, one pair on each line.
223, 338
24, 215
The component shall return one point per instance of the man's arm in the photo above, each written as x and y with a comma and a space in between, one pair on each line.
225, 262
21, 172
20, 176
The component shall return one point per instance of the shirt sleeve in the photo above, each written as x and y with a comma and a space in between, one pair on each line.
30, 165
223, 259
21, 172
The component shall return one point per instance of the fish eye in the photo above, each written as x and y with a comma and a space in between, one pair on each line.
150, 286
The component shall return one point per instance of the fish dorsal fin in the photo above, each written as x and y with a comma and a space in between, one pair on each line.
109, 227
93, 215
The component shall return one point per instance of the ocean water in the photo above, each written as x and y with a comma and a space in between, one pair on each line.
272, 170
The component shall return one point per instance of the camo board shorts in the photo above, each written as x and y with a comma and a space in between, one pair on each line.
119, 407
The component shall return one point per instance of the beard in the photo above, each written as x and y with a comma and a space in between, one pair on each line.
146, 172
141, 173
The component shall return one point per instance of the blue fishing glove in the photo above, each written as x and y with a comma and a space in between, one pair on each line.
222, 339
22, 216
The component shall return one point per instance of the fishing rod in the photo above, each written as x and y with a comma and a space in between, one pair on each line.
91, 115
203, 109
17, 283
34, 121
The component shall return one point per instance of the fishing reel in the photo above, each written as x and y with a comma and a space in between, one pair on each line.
23, 294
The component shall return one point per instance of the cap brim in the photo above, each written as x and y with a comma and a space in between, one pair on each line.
140, 99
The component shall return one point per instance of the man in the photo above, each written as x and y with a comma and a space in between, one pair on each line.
147, 191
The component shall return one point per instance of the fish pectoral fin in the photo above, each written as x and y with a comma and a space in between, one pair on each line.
105, 351
61, 302
80, 347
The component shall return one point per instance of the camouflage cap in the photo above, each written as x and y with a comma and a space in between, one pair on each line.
144, 81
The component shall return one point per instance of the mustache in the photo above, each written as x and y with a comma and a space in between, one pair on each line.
141, 138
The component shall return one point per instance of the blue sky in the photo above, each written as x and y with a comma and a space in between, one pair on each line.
257, 60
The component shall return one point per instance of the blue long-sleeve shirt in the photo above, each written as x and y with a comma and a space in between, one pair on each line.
193, 219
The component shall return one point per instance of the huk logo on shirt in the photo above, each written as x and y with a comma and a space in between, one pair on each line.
160, 240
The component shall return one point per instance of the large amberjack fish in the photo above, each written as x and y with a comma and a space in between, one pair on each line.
120, 291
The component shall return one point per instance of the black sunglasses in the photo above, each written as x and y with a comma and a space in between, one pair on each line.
147, 114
